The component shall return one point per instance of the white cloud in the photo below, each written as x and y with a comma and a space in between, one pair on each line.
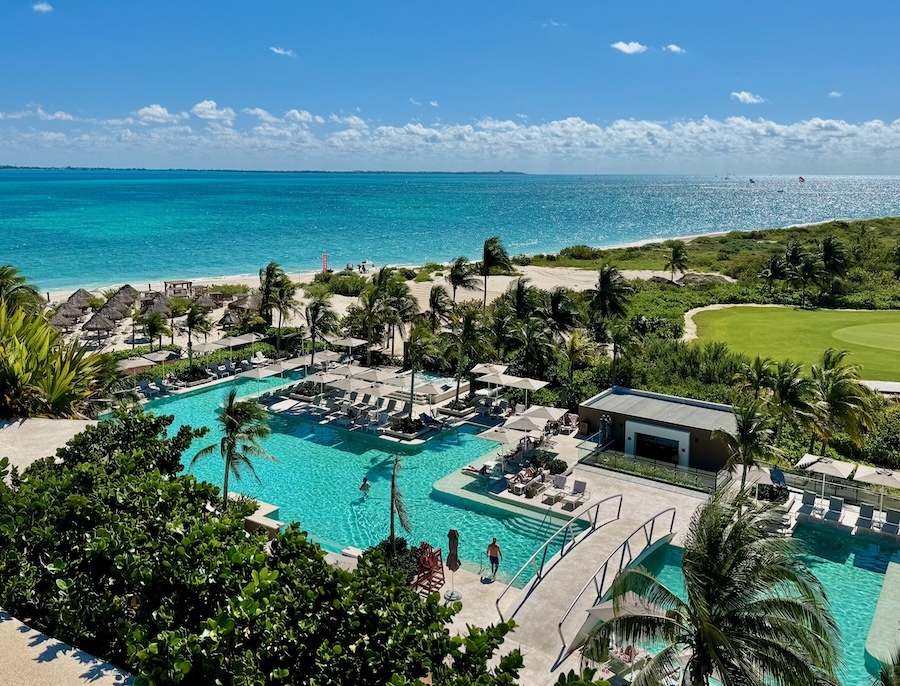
52, 116
282, 51
835, 94
42, 7
523, 117
550, 24
207, 110
262, 114
747, 98
433, 103
298, 116
414, 101
631, 48
677, 49
157, 114
352, 121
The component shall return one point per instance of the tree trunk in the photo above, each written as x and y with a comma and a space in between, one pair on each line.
278, 338
312, 361
458, 382
484, 306
744, 476
225, 485
190, 350
132, 334
412, 388
369, 347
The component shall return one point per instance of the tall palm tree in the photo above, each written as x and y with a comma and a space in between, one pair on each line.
16, 292
520, 297
155, 327
284, 299
833, 258
176, 308
621, 338
536, 350
676, 257
611, 295
493, 257
439, 307
195, 320
844, 403
243, 425
558, 312
756, 376
752, 613
375, 313
321, 320
793, 254
775, 270
270, 277
807, 273
465, 344
752, 441
791, 400
401, 307
461, 275
576, 353
398, 508
420, 350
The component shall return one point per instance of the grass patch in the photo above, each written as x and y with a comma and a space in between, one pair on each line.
872, 337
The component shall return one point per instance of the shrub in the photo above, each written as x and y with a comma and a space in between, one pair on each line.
346, 283
406, 561
230, 289
581, 252
542, 459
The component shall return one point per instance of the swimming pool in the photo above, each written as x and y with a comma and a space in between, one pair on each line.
850, 568
316, 482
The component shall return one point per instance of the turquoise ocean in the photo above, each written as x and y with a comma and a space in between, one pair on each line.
67, 228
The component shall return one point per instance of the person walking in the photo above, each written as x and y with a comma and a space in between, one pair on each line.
494, 555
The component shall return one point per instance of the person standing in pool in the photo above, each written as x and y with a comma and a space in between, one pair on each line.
364, 487
494, 555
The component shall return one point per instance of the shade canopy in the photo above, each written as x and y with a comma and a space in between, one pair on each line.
554, 414
243, 339
80, 298
878, 476
288, 365
205, 301
525, 423
157, 307
161, 355
498, 379
228, 320
61, 321
429, 389
489, 368
303, 360
348, 370
381, 391
99, 323
527, 384
348, 383
825, 466
346, 342
67, 310
111, 313
134, 363
500, 435
328, 356
260, 373
210, 347
322, 377
379, 375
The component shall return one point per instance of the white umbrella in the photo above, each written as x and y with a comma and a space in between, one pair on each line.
554, 414
322, 377
527, 385
283, 366
132, 364
524, 423
161, 355
381, 391
489, 368
245, 339
347, 384
878, 476
327, 356
379, 375
259, 373
429, 390
210, 347
499, 435
826, 467
347, 370
499, 379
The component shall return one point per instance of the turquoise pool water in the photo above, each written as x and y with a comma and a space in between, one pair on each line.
850, 568
316, 482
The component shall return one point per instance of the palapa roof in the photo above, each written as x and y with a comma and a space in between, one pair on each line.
246, 302
80, 298
111, 312
98, 323
157, 306
205, 301
228, 319
61, 321
71, 311
129, 290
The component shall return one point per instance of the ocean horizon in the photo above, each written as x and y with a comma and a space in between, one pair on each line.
67, 228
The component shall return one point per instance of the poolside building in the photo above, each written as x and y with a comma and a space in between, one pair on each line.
659, 427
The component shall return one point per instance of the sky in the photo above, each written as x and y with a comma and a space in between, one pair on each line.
643, 86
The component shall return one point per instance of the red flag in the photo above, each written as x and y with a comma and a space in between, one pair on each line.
802, 180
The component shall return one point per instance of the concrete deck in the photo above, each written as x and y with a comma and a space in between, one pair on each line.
24, 441
884, 633
29, 658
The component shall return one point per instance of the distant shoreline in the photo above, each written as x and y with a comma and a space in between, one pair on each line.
499, 172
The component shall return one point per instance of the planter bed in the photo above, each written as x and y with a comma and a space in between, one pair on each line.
468, 412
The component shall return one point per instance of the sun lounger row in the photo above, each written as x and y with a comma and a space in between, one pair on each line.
868, 521
156, 389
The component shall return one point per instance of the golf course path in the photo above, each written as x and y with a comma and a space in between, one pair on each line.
690, 327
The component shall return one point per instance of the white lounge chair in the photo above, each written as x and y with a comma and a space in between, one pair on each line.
577, 494
558, 490
259, 358
808, 506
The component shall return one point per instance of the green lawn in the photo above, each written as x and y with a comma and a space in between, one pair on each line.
873, 337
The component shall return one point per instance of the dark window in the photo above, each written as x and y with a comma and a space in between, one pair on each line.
656, 448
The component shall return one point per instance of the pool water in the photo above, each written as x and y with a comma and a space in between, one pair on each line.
316, 482
850, 568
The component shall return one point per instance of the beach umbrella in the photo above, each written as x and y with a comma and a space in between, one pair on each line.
527, 385
206, 348
132, 365
489, 368
122, 300
61, 321
111, 312
453, 564
381, 391
161, 355
205, 301
378, 375
99, 323
327, 356
553, 414
130, 291
157, 307
348, 370
501, 435
322, 377
259, 373
879, 476
283, 366
499, 379
228, 321
347, 384
347, 342
826, 467
525, 423
68, 310
80, 299
429, 390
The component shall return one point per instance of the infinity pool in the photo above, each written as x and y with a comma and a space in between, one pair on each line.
850, 568
316, 482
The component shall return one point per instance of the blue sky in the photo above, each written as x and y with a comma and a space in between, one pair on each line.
763, 87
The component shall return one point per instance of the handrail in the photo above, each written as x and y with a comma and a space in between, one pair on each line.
565, 529
624, 546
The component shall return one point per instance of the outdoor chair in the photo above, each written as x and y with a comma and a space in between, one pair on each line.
246, 366
864, 522
808, 505
163, 388
835, 511
557, 491
520, 408
230, 368
380, 422
259, 358
576, 496
147, 390
537, 485
891, 525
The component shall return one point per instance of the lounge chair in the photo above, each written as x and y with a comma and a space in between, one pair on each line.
217, 370
379, 423
537, 485
391, 407
230, 368
520, 408
147, 390
325, 409
558, 490
403, 411
246, 366
516, 482
431, 421
259, 358
891, 525
864, 522
808, 505
576, 495
835, 511
161, 386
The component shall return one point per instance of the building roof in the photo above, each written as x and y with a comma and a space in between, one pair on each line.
668, 409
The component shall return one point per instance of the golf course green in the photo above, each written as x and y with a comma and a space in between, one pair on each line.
872, 337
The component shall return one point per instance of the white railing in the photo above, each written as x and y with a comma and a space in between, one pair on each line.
568, 536
624, 548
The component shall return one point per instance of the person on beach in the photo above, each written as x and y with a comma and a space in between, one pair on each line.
494, 555
364, 487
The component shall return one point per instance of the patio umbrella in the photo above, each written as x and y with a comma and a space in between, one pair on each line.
131, 365
347, 384
527, 385
206, 348
243, 339
61, 321
381, 391
228, 320
161, 355
283, 366
554, 414
99, 323
259, 373
347, 342
826, 467
499, 379
878, 476
79, 299
328, 356
322, 378
348, 370
205, 301
500, 435
525, 423
489, 368
453, 564
375, 374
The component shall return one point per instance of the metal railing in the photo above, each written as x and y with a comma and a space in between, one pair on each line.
620, 552
568, 536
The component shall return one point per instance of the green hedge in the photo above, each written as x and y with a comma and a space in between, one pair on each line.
217, 357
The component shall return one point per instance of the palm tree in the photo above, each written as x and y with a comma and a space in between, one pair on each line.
751, 443
558, 312
402, 307
833, 258
576, 353
176, 308
16, 292
493, 257
398, 508
420, 350
439, 307
520, 298
155, 327
889, 674
807, 273
464, 344
536, 350
844, 403
621, 337
775, 270
284, 299
791, 397
320, 321
612, 293
375, 313
752, 614
270, 277
196, 320
756, 376
461, 276
243, 425
676, 258
793, 254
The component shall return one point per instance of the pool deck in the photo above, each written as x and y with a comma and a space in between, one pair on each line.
884, 633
